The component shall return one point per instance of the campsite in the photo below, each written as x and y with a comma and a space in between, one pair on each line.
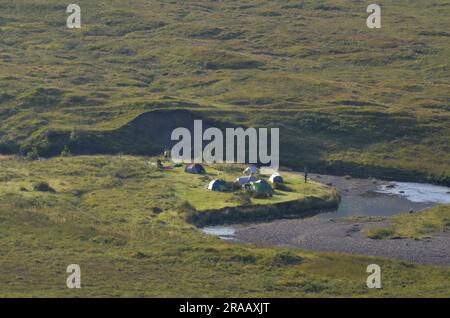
242, 197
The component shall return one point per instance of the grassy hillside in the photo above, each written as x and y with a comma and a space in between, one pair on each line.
346, 98
101, 215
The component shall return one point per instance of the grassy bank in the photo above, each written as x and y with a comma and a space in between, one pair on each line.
101, 214
265, 211
414, 225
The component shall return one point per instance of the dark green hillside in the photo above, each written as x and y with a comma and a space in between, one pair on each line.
347, 99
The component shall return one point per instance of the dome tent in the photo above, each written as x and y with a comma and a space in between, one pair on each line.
195, 168
218, 185
245, 180
276, 178
251, 170
261, 188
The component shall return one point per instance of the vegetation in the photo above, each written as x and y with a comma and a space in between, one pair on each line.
415, 225
347, 99
43, 186
119, 219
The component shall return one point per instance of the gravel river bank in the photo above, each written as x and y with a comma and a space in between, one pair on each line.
337, 232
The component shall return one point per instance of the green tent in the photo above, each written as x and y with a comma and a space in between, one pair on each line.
261, 188
218, 185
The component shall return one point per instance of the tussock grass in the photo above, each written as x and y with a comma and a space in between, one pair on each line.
415, 225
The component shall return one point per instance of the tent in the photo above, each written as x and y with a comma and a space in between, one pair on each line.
245, 180
276, 178
251, 170
261, 188
195, 168
218, 185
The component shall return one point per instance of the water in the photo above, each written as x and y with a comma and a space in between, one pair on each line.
418, 192
374, 204
362, 197
224, 232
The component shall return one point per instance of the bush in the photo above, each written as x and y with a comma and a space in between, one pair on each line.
245, 259
287, 258
243, 198
33, 154
65, 152
157, 210
380, 233
43, 186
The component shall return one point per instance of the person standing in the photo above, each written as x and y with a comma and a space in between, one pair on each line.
306, 174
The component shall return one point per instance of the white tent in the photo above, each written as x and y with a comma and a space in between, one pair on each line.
217, 185
276, 178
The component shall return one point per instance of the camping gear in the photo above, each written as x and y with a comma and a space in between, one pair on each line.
276, 178
261, 188
251, 170
245, 180
172, 166
195, 168
218, 185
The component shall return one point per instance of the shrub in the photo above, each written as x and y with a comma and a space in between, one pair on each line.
286, 258
33, 154
243, 198
43, 186
157, 210
109, 240
65, 152
380, 233
245, 259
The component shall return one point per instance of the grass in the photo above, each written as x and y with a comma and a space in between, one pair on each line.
190, 189
415, 225
353, 101
102, 216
